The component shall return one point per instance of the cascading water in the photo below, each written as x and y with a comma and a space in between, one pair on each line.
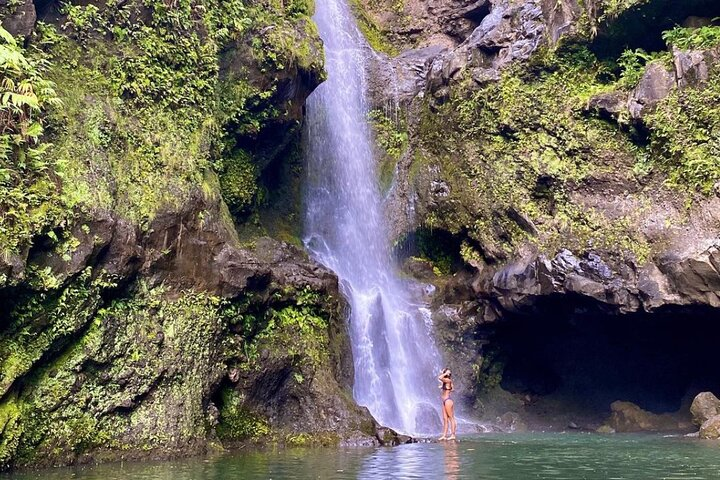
394, 355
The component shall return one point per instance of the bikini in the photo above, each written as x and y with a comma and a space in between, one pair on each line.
447, 388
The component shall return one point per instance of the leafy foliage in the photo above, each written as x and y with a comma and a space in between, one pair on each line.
238, 182
146, 110
685, 136
632, 65
693, 38
28, 178
512, 151
612, 8
392, 137
296, 324
236, 422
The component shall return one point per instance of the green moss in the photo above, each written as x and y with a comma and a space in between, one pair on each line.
236, 422
146, 119
86, 397
440, 248
512, 151
685, 136
10, 430
238, 182
41, 324
391, 137
153, 156
488, 371
144, 113
374, 35
296, 326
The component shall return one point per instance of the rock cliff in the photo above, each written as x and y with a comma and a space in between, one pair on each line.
553, 150
138, 138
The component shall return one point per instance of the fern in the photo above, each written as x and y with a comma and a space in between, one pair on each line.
693, 38
27, 176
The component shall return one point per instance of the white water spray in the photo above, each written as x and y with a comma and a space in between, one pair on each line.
395, 358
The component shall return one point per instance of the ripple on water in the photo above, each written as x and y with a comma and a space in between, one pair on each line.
537, 456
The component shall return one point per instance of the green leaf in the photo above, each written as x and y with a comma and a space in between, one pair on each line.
5, 35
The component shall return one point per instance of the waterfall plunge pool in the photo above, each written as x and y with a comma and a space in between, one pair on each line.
491, 456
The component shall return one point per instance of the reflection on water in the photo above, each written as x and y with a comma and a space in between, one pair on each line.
452, 460
541, 456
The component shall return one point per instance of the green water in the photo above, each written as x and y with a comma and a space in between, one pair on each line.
531, 456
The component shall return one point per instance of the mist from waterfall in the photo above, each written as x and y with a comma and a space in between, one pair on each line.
345, 229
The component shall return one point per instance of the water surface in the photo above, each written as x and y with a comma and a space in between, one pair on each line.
517, 456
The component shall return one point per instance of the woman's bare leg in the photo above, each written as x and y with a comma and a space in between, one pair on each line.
450, 413
445, 424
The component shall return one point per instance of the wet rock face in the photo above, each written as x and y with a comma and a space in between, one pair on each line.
288, 86
671, 262
155, 334
395, 82
390, 438
120, 339
511, 32
422, 23
511, 422
18, 18
487, 36
624, 287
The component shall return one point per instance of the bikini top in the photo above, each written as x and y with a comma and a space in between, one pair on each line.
447, 386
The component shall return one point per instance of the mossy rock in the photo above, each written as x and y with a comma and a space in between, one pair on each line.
237, 422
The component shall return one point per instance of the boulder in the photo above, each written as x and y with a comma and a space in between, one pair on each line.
710, 429
657, 82
609, 104
511, 422
628, 417
605, 429
389, 437
696, 278
19, 17
692, 67
704, 406
696, 22
561, 17
427, 419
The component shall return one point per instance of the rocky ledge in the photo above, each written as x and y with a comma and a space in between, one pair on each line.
169, 341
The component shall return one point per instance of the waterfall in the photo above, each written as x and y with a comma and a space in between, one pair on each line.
394, 355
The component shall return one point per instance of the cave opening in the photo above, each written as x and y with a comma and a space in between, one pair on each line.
569, 358
642, 26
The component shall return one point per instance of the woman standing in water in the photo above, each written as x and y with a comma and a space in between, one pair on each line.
448, 406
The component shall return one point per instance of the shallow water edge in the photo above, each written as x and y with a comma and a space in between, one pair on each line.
491, 456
